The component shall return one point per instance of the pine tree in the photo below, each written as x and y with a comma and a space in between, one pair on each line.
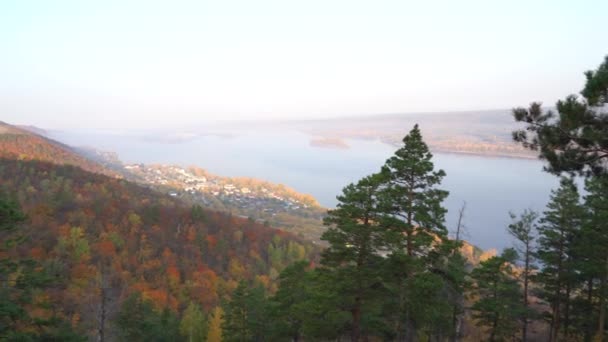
574, 140
412, 210
593, 248
355, 243
411, 196
289, 302
498, 306
137, 320
558, 228
524, 231
246, 315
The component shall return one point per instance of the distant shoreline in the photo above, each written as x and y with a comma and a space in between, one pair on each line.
485, 155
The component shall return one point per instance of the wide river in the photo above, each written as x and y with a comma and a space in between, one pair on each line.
490, 186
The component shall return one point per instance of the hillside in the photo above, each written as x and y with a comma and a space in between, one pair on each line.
272, 204
23, 144
103, 239
265, 202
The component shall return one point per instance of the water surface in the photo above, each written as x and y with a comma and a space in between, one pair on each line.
490, 186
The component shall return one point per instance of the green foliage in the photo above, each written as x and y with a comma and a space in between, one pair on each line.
20, 280
388, 249
411, 196
497, 306
558, 228
524, 231
287, 309
137, 320
592, 256
193, 325
573, 140
75, 245
246, 315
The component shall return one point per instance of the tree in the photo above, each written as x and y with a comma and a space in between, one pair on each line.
411, 196
593, 247
411, 204
355, 241
245, 315
498, 306
524, 231
214, 333
193, 324
288, 304
139, 321
574, 140
557, 230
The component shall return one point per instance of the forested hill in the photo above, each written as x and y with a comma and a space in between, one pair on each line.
18, 143
102, 239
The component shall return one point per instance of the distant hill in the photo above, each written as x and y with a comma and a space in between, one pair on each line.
23, 144
483, 132
468, 132
33, 129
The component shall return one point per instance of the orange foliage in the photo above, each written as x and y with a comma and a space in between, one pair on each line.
106, 248
135, 245
212, 241
37, 253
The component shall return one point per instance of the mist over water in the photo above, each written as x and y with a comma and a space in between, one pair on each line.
490, 186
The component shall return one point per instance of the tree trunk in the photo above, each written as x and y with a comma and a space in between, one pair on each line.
567, 309
588, 325
524, 334
494, 327
556, 317
356, 313
599, 335
102, 316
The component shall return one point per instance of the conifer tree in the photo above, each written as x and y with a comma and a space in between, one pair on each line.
289, 302
137, 320
498, 306
411, 196
524, 231
575, 139
245, 315
558, 228
411, 206
355, 243
593, 248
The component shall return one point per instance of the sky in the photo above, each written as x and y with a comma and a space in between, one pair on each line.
127, 64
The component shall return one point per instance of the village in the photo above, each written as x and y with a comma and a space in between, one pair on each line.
242, 195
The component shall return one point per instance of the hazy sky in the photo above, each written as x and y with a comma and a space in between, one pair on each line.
67, 64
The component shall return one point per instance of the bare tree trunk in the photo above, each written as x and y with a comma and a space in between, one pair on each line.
460, 226
457, 310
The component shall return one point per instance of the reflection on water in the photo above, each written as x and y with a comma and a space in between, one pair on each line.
491, 186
